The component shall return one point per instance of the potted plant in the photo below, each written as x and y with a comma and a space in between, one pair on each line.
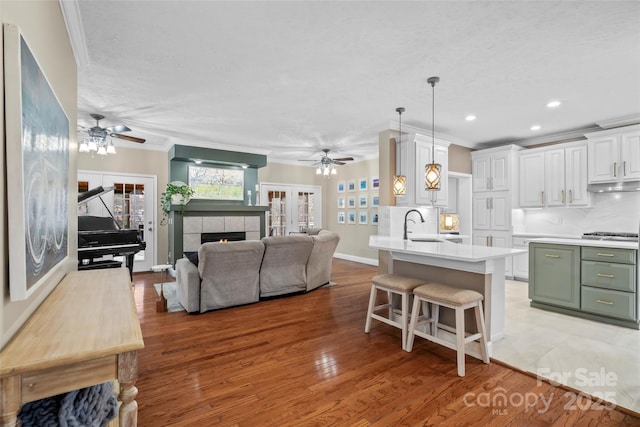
176, 193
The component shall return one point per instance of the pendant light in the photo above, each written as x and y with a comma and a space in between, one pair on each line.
399, 181
432, 170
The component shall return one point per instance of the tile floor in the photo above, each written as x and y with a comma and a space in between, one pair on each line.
599, 359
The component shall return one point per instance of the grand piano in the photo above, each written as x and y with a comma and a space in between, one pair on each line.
99, 236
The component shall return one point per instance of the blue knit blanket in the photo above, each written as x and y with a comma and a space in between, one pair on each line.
93, 406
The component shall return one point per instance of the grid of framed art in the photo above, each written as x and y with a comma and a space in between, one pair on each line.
358, 201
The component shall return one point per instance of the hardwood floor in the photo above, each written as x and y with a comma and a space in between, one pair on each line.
305, 360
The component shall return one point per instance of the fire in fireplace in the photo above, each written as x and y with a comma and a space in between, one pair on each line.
229, 236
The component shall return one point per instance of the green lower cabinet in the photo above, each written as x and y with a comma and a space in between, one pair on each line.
609, 303
554, 274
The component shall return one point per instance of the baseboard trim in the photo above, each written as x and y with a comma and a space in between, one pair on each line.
354, 258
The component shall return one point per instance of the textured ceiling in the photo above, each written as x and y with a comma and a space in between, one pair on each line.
290, 78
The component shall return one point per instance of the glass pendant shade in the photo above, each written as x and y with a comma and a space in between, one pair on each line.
399, 185
432, 177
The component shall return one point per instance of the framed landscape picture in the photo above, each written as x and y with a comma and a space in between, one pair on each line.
216, 183
341, 217
362, 202
362, 217
374, 216
340, 186
374, 201
341, 203
351, 185
375, 183
351, 202
351, 217
362, 184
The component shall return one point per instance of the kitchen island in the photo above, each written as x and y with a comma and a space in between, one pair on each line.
464, 266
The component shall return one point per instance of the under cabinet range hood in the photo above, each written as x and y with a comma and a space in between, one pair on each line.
611, 187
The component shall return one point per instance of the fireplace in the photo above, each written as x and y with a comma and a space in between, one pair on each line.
228, 236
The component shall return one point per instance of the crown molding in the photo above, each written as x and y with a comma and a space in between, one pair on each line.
631, 119
71, 15
395, 125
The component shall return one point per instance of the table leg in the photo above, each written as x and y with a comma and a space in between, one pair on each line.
161, 302
127, 375
9, 401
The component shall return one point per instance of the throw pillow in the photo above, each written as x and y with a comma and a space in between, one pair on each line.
192, 256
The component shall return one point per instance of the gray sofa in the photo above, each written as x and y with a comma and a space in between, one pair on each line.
237, 273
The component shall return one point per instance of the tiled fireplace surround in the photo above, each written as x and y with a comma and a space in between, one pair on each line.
193, 226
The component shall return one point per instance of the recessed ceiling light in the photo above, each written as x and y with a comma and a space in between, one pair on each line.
470, 118
553, 104
535, 127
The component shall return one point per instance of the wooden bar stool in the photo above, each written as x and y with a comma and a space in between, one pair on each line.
392, 284
437, 295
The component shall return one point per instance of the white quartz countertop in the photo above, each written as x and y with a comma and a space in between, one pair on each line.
555, 236
444, 249
431, 236
588, 242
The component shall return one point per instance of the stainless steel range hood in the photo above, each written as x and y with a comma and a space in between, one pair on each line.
611, 187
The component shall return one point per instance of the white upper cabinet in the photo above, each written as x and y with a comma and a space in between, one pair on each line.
531, 179
491, 171
575, 176
614, 155
554, 176
414, 153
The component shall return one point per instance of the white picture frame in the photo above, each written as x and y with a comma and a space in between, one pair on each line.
362, 184
362, 217
362, 201
375, 183
374, 217
341, 217
341, 203
351, 217
351, 202
351, 185
37, 149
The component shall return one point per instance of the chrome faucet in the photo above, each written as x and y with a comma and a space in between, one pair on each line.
405, 220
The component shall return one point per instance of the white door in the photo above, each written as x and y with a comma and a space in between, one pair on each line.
132, 204
293, 208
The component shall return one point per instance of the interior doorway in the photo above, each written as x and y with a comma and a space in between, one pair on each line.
292, 208
132, 203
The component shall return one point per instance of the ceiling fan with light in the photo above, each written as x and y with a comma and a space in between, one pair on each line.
97, 137
327, 165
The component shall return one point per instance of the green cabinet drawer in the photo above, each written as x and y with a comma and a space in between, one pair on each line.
609, 303
621, 277
626, 256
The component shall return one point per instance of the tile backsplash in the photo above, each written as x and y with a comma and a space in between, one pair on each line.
619, 212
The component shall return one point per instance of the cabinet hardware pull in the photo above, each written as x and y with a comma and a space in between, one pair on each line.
487, 240
624, 168
552, 256
562, 194
491, 203
615, 166
488, 183
491, 240
608, 276
604, 302
570, 196
491, 181
601, 254
542, 197
488, 203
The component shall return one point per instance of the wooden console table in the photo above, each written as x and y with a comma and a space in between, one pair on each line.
86, 332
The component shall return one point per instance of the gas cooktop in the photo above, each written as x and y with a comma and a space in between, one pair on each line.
607, 235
